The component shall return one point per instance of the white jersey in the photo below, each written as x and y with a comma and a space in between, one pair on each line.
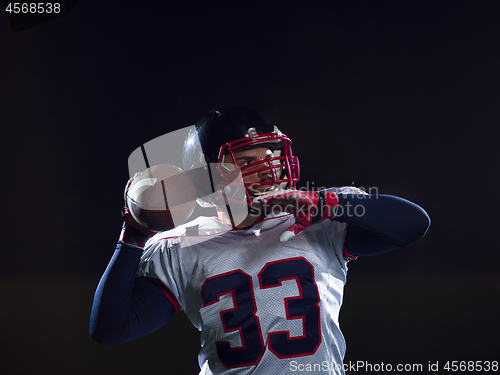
262, 306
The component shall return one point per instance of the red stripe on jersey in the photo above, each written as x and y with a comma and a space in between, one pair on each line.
169, 295
347, 254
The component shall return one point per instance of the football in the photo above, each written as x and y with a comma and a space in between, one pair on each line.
161, 198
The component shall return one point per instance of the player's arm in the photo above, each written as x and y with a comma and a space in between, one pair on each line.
380, 223
377, 223
126, 307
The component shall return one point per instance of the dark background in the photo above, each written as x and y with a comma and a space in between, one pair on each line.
402, 96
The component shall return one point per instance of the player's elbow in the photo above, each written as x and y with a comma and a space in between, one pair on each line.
98, 337
103, 339
104, 336
416, 226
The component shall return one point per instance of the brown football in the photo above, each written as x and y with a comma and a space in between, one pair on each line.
161, 197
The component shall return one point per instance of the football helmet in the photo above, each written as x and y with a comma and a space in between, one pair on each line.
215, 139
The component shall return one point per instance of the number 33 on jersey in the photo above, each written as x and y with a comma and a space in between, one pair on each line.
242, 316
256, 307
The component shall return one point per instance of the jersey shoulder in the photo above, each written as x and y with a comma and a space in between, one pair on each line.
200, 227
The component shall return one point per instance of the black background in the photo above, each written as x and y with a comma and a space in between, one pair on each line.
401, 96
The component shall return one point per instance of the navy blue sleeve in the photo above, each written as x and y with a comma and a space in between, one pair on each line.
380, 223
126, 307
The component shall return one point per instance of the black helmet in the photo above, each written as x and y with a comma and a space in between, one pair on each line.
236, 128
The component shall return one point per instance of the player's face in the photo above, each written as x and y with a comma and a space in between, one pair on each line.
247, 157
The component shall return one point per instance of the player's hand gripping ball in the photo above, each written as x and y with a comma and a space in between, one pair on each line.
307, 207
161, 198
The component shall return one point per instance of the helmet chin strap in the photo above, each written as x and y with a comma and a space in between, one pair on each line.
252, 210
256, 194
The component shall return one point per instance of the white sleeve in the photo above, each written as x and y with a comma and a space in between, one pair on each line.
157, 262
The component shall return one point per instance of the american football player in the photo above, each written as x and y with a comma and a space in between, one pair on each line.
263, 280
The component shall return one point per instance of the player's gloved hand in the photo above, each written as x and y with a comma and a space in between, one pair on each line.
133, 233
308, 207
